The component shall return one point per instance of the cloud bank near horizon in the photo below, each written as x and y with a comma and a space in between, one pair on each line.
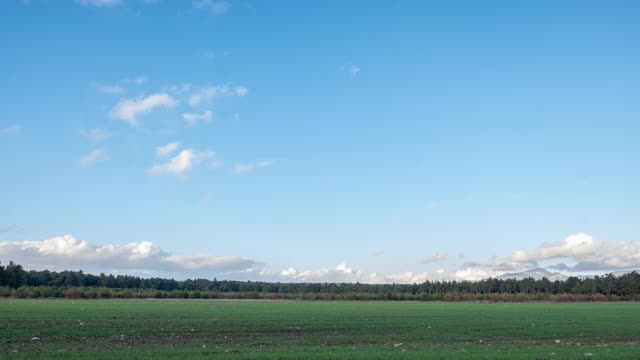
583, 252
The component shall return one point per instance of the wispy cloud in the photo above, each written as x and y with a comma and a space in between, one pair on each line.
110, 89
437, 257
241, 169
207, 94
138, 80
97, 135
99, 3
130, 110
216, 7
192, 119
182, 163
11, 129
167, 149
351, 69
93, 157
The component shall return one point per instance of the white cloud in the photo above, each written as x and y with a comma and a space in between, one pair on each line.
138, 80
207, 94
581, 250
586, 254
179, 89
66, 251
216, 7
474, 274
93, 157
437, 257
99, 3
11, 129
97, 135
241, 90
167, 149
241, 169
192, 118
341, 273
346, 274
130, 109
182, 163
111, 89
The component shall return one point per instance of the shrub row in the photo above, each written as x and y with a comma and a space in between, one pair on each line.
35, 292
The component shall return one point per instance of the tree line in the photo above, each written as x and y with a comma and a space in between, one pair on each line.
14, 276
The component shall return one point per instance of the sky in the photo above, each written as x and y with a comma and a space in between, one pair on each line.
369, 141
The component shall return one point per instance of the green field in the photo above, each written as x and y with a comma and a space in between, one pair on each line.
317, 330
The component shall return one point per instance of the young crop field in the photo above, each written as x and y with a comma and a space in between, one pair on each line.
153, 329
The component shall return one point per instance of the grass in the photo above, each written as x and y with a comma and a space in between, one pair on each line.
115, 329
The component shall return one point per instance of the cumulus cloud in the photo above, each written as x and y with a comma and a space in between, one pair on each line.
192, 118
93, 157
11, 129
346, 274
99, 3
130, 110
97, 135
182, 163
67, 251
474, 274
241, 169
207, 94
437, 257
216, 7
580, 250
167, 149
341, 273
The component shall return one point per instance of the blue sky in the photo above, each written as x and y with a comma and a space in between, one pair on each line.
304, 141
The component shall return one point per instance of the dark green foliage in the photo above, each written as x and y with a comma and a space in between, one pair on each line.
34, 283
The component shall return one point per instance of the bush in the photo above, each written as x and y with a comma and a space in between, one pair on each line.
90, 293
22, 292
73, 293
104, 293
469, 297
35, 293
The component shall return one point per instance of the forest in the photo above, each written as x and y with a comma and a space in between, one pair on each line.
15, 281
